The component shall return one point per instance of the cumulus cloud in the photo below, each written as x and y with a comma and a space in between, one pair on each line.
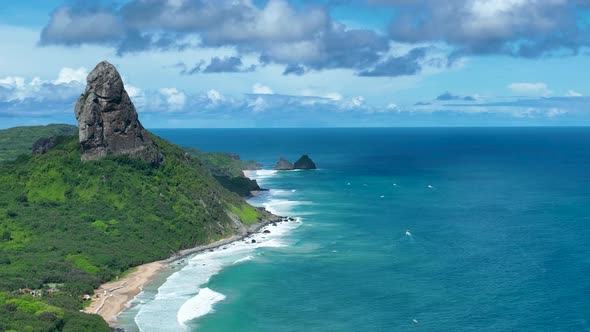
65, 87
529, 88
302, 38
392, 107
175, 99
294, 69
408, 64
75, 26
259, 104
67, 75
572, 93
261, 89
215, 96
449, 96
353, 103
227, 64
230, 64
526, 28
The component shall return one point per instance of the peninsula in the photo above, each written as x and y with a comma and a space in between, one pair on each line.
86, 208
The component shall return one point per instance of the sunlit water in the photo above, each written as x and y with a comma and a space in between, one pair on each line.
427, 229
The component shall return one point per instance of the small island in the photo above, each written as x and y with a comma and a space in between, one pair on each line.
283, 165
304, 162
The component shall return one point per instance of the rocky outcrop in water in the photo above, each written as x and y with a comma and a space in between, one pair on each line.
304, 163
107, 119
283, 165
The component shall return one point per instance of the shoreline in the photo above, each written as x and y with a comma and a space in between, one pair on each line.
111, 298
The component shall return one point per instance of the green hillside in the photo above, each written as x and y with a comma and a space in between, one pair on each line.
18, 140
228, 170
77, 224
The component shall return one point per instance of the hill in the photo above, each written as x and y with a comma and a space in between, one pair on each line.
19, 140
78, 224
228, 169
94, 206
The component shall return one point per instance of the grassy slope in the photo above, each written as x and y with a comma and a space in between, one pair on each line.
228, 171
19, 140
221, 163
82, 223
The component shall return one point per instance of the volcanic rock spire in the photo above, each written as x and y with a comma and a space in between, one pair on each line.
107, 120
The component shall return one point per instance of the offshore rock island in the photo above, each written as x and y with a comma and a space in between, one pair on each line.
304, 162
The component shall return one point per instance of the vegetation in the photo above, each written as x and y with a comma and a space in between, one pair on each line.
228, 169
19, 140
222, 163
77, 224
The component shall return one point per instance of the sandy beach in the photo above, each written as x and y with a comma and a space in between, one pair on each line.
109, 299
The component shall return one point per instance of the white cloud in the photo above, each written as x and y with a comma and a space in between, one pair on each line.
392, 107
137, 96
529, 88
12, 82
358, 101
133, 91
353, 103
553, 112
258, 104
532, 112
261, 89
16, 88
572, 93
215, 96
175, 99
333, 96
67, 75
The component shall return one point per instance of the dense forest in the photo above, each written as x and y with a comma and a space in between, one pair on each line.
19, 140
66, 226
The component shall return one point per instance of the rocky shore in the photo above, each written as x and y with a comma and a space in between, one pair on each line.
110, 299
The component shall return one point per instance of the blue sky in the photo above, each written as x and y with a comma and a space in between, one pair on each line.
279, 63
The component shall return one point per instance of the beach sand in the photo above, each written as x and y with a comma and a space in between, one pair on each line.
109, 299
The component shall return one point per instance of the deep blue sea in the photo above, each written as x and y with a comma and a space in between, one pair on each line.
426, 229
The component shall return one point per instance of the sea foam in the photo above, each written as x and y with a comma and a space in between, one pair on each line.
184, 296
198, 305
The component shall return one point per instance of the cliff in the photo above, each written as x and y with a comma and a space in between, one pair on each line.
87, 209
107, 119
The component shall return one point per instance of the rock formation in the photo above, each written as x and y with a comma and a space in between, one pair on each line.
107, 120
283, 165
305, 163
43, 145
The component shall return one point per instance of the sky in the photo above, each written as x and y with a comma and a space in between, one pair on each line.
303, 63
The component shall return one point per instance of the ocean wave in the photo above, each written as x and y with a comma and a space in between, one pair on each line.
283, 207
170, 305
198, 305
175, 302
245, 259
260, 174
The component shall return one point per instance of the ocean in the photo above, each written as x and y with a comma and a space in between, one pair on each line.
427, 229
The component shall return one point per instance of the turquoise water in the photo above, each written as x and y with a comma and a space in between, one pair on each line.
498, 221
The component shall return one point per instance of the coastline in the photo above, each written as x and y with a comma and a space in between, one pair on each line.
111, 298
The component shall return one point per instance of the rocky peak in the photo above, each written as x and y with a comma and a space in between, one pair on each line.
304, 163
283, 165
107, 120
